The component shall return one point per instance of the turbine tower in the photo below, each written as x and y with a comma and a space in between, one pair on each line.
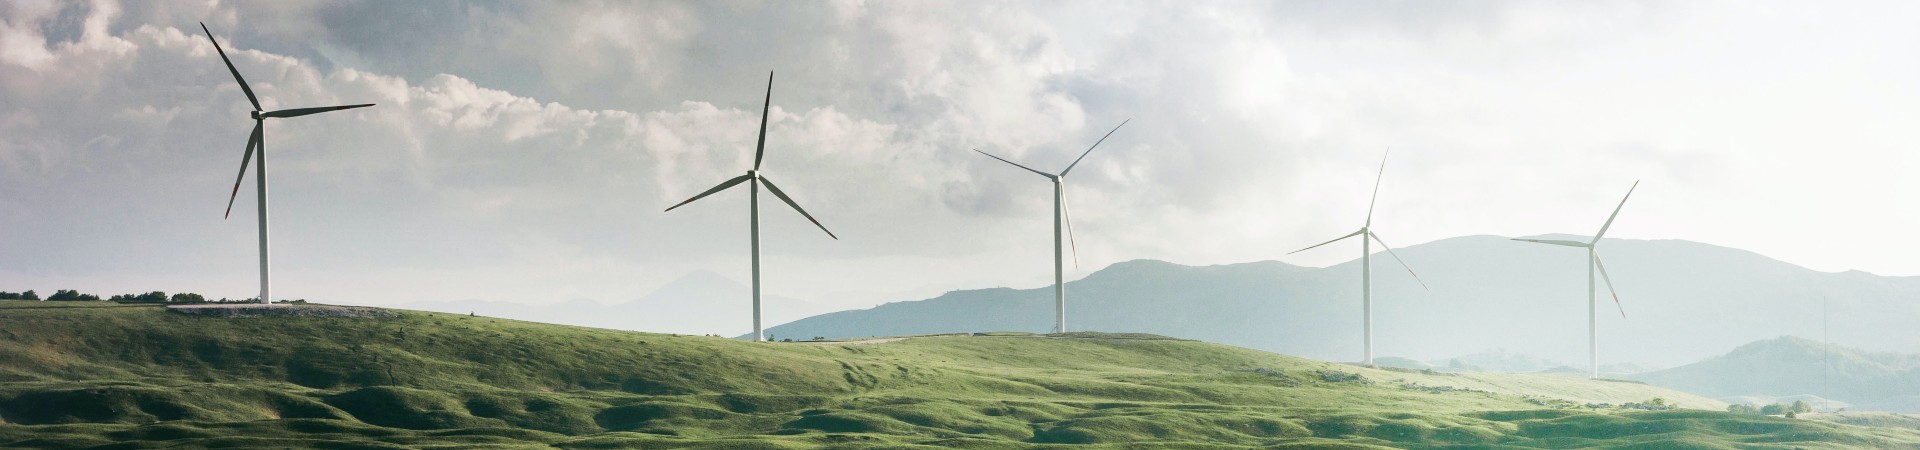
1366, 264
753, 204
257, 147
1593, 262
1060, 210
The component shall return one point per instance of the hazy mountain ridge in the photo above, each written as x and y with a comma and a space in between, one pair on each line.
1685, 301
1790, 366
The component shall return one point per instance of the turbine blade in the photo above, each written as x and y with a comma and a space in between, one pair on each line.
1557, 242
796, 206
1376, 187
1616, 212
1015, 164
1396, 257
760, 150
297, 112
236, 72
1356, 233
1067, 209
1609, 280
721, 187
1083, 155
253, 140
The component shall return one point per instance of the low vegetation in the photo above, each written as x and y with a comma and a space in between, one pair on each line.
68, 295
80, 375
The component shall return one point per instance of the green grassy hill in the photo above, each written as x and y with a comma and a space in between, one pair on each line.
133, 377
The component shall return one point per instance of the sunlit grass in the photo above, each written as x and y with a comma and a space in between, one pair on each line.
90, 375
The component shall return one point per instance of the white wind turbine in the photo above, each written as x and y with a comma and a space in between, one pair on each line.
1593, 262
753, 204
1366, 263
257, 146
1060, 210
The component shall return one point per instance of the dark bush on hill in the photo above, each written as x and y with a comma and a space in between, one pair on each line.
68, 295
150, 297
1335, 376
187, 297
28, 295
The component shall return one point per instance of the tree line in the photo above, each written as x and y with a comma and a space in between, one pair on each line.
69, 295
1777, 409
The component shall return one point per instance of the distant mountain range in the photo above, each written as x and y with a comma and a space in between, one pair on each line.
1685, 301
701, 302
1796, 368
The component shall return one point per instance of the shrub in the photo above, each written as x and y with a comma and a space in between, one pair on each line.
187, 297
1800, 406
1774, 409
1742, 409
68, 295
1335, 376
150, 297
29, 295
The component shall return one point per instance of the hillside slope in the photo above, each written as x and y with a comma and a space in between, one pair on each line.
1788, 366
86, 375
1684, 301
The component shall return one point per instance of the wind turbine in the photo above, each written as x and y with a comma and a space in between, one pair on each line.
257, 146
1060, 210
1366, 262
753, 204
1593, 262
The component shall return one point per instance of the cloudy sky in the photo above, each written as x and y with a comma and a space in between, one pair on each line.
523, 151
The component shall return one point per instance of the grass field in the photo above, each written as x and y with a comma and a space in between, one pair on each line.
136, 377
